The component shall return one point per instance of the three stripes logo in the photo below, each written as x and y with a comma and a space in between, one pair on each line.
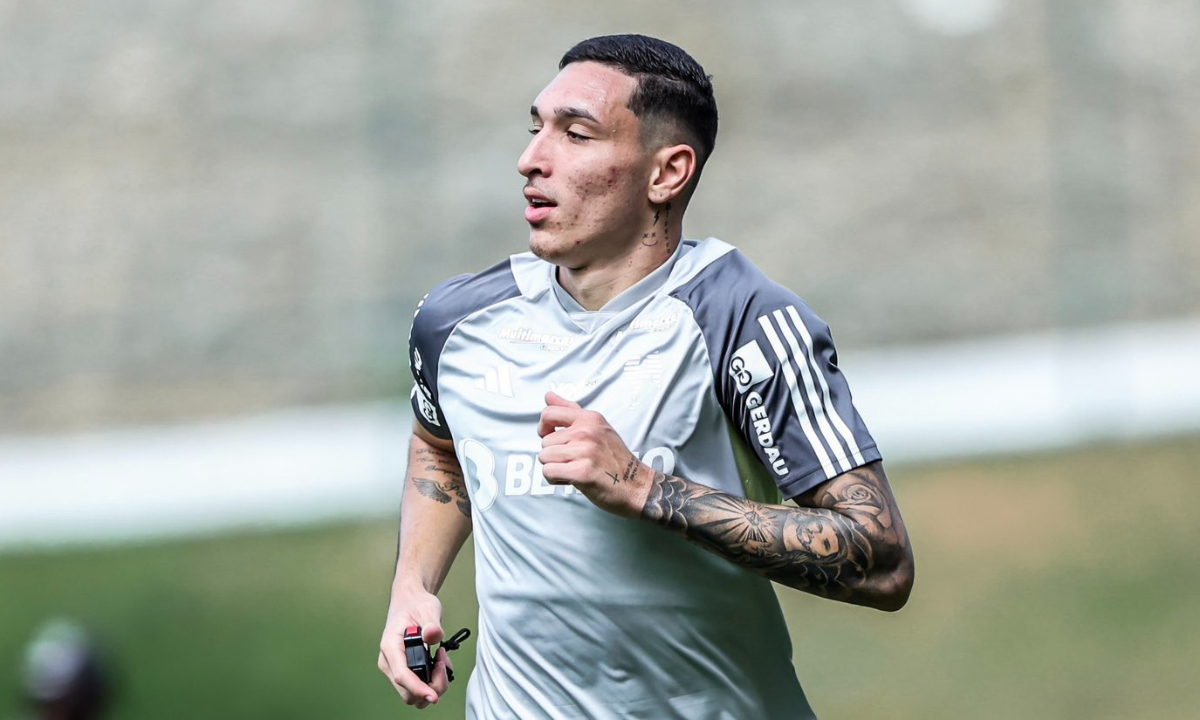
831, 439
497, 380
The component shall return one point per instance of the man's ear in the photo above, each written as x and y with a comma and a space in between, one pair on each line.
674, 168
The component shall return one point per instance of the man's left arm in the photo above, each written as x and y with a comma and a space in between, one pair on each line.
846, 541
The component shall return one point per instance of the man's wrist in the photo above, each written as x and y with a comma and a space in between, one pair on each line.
665, 501
409, 583
648, 477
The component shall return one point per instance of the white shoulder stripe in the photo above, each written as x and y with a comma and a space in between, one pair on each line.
827, 402
797, 401
814, 400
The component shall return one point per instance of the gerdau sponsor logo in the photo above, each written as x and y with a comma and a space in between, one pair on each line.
762, 428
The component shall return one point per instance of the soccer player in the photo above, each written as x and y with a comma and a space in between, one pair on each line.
618, 416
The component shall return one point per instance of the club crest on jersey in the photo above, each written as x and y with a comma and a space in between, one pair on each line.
749, 366
644, 376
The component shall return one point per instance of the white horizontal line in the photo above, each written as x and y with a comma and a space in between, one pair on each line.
1000, 395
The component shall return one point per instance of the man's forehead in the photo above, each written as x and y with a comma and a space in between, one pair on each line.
602, 90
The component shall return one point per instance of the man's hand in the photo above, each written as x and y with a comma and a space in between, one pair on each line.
580, 448
414, 608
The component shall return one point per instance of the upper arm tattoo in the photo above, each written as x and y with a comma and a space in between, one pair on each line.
864, 496
431, 489
446, 479
828, 549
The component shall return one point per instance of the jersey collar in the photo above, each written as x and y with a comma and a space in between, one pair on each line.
629, 297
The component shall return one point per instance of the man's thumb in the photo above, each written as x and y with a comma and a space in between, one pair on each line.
432, 633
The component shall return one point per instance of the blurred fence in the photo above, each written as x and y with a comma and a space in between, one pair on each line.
213, 208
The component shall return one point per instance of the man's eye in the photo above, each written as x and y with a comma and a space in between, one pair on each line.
534, 130
577, 136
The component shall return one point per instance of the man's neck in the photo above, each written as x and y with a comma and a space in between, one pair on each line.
595, 285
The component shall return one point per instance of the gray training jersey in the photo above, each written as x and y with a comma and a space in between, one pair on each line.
709, 371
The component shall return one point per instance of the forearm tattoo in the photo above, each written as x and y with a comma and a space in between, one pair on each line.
437, 475
830, 548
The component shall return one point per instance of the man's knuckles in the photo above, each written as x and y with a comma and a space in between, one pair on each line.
556, 473
556, 438
556, 454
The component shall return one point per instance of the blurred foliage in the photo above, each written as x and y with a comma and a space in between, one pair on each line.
1062, 585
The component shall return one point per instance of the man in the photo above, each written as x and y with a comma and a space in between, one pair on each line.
589, 408
65, 676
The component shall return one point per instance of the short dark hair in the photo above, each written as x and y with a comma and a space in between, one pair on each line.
671, 84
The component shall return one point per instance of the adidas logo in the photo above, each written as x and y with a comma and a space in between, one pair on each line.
497, 380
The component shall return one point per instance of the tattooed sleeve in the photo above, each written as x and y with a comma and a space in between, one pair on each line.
846, 541
437, 475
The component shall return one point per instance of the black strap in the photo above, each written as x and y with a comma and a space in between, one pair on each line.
452, 644
456, 639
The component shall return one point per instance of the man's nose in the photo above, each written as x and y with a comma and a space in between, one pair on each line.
535, 160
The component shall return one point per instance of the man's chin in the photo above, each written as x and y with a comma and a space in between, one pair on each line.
545, 245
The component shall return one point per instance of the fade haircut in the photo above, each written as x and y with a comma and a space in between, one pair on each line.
671, 86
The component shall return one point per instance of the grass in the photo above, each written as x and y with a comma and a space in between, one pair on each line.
1062, 585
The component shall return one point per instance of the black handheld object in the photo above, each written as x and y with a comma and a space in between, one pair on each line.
417, 654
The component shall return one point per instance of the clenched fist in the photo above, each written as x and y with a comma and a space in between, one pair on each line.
414, 607
580, 448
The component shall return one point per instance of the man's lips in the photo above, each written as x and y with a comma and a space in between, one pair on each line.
539, 207
535, 215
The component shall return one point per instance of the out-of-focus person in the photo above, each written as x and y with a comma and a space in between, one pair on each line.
64, 675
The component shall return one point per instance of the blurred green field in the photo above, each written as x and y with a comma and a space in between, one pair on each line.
1062, 585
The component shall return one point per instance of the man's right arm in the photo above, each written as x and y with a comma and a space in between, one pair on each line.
435, 520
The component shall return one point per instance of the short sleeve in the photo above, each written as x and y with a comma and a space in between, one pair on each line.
423, 349
776, 375
437, 315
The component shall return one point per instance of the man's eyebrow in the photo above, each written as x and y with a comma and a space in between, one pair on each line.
566, 112
571, 112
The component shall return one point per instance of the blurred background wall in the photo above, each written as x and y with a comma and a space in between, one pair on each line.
213, 208
217, 217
